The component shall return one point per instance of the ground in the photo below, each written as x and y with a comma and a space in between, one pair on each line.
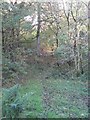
54, 97
49, 94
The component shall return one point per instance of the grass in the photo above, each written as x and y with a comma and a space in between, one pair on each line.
67, 97
63, 98
50, 97
34, 107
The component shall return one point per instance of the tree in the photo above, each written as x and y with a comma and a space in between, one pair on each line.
38, 28
77, 42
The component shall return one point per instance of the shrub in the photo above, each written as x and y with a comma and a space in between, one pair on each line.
13, 103
11, 70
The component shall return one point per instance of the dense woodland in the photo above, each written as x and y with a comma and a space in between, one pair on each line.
45, 59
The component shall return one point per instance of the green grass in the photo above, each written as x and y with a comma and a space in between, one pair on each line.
34, 107
66, 99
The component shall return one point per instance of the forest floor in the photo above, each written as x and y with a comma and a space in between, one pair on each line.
54, 97
51, 94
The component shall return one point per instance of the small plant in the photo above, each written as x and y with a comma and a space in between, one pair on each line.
13, 103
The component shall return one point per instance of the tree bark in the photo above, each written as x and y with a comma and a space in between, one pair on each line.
38, 29
89, 42
57, 35
77, 48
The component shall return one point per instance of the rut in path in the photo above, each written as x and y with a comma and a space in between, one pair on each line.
46, 98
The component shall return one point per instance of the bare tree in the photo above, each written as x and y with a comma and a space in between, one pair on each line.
77, 42
67, 14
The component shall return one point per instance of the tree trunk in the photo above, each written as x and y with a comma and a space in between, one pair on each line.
12, 47
81, 64
57, 36
68, 27
38, 29
18, 34
89, 41
78, 54
75, 48
76, 51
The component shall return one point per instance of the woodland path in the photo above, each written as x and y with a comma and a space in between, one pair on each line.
60, 97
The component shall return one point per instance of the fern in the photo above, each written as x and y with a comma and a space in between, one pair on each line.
13, 103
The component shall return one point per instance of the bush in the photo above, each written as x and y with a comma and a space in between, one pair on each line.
11, 70
64, 52
13, 103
